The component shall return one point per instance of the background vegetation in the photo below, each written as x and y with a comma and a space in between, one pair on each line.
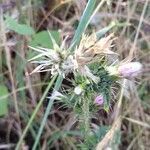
24, 23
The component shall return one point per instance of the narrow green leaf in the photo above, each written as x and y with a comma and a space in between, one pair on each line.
19, 28
84, 21
103, 31
112, 25
3, 101
56, 87
34, 113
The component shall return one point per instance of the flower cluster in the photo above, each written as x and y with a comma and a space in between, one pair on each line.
90, 50
59, 60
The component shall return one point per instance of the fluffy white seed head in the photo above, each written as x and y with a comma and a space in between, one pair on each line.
126, 70
131, 69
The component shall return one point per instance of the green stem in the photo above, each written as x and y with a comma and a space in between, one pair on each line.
57, 86
86, 116
34, 113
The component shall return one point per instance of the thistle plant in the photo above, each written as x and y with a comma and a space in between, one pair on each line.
93, 78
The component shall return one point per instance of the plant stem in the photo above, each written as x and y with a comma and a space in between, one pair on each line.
86, 116
34, 113
57, 86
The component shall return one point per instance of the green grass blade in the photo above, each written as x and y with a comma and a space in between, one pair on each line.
113, 24
57, 86
103, 31
83, 22
34, 114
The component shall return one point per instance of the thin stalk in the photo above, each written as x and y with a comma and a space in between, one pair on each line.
57, 86
1, 77
34, 113
138, 31
119, 104
18, 4
86, 117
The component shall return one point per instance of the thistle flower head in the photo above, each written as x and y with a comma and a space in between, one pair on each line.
56, 60
131, 69
90, 48
50, 60
99, 100
104, 45
126, 70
